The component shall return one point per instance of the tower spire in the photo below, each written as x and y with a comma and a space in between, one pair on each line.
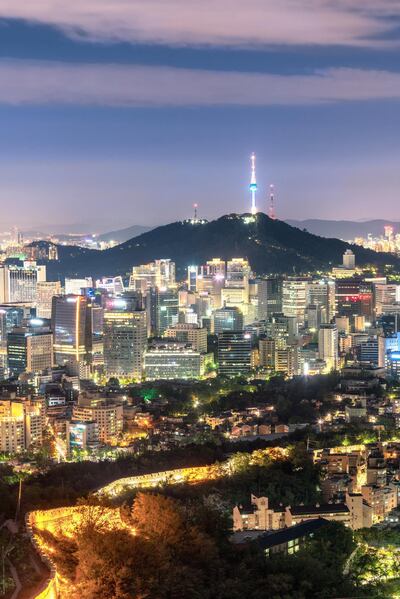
271, 208
253, 184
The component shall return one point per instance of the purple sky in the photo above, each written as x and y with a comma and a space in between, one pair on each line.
128, 112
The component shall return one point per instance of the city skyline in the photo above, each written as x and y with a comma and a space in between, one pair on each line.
98, 101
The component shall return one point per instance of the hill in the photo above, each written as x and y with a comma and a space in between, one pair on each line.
344, 229
122, 235
271, 246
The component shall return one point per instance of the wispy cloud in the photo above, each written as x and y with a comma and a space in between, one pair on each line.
217, 22
41, 83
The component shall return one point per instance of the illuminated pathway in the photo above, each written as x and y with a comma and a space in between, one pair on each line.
168, 477
64, 521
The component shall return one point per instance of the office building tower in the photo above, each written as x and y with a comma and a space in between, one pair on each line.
349, 260
328, 348
69, 326
234, 353
387, 296
192, 275
164, 309
10, 317
388, 323
294, 298
274, 295
190, 334
215, 267
286, 360
372, 351
125, 340
354, 297
393, 364
279, 326
45, 291
29, 349
94, 333
343, 324
18, 284
258, 298
322, 293
113, 285
160, 274
359, 324
78, 286
315, 316
235, 297
227, 319
267, 347
172, 360
238, 272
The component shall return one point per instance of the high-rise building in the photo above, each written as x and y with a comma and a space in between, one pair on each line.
274, 295
29, 348
349, 260
10, 317
238, 273
279, 326
328, 348
354, 297
315, 316
215, 267
160, 273
294, 298
94, 333
77, 286
372, 351
189, 333
227, 319
234, 353
286, 360
69, 326
172, 360
125, 340
267, 347
163, 305
46, 290
386, 297
113, 285
19, 283
322, 293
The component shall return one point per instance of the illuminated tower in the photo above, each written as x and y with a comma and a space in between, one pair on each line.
271, 209
253, 184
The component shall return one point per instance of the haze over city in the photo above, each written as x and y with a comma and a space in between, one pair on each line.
117, 113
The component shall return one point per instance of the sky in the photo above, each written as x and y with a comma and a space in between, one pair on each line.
122, 112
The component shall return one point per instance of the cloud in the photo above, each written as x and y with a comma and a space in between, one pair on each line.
44, 83
216, 22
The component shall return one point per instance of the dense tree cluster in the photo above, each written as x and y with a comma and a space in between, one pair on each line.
175, 550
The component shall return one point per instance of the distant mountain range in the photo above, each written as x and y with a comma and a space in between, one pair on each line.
344, 229
122, 235
271, 246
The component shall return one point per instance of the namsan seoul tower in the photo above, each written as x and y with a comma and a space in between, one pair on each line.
253, 184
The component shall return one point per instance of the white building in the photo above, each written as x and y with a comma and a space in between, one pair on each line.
328, 345
19, 283
294, 298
